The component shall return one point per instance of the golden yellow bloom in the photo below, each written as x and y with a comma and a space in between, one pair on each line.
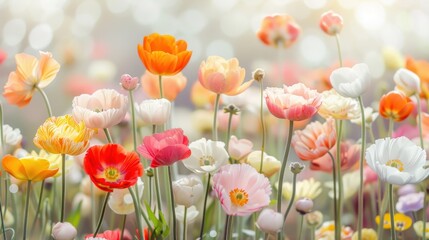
28, 168
418, 228
53, 159
402, 222
367, 234
63, 135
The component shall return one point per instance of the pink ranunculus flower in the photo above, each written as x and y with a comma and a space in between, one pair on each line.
103, 109
166, 148
223, 76
331, 23
241, 190
350, 153
295, 103
238, 149
315, 140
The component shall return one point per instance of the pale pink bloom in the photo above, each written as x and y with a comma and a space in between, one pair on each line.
279, 31
369, 175
238, 149
350, 154
315, 140
331, 23
270, 221
223, 76
103, 109
3, 56
171, 85
407, 130
154, 111
295, 103
425, 123
129, 83
223, 119
241, 190
64, 231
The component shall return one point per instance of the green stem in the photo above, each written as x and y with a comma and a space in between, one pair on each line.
63, 187
158, 194
2, 221
419, 122
161, 93
283, 168
228, 133
337, 39
108, 136
392, 212
170, 182
138, 213
334, 180
184, 223
338, 224
216, 106
261, 114
383, 209
124, 220
93, 208
301, 226
291, 201
45, 98
361, 163
103, 210
205, 206
39, 204
226, 229
27, 201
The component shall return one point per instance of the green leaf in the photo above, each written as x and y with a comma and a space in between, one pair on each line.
74, 217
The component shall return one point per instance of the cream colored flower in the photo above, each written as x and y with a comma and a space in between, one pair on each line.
154, 111
350, 183
191, 213
188, 190
8, 218
418, 228
338, 107
207, 156
270, 164
307, 188
120, 200
370, 116
12, 138
407, 82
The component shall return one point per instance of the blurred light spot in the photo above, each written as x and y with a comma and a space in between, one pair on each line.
146, 12
40, 36
212, 233
388, 2
118, 6
14, 31
102, 70
194, 45
78, 30
348, 4
253, 2
16, 9
168, 3
419, 23
375, 62
13, 188
234, 25
224, 5
88, 13
392, 36
56, 19
315, 4
370, 15
300, 12
220, 48
313, 49
168, 25
192, 21
281, 2
256, 21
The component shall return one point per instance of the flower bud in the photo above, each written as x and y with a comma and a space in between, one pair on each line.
258, 74
129, 83
304, 206
296, 167
407, 82
270, 221
331, 23
154, 111
149, 172
64, 231
270, 164
314, 218
238, 149
191, 214
188, 190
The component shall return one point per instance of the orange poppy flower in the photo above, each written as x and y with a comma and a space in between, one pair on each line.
28, 168
396, 106
111, 167
421, 69
163, 55
30, 73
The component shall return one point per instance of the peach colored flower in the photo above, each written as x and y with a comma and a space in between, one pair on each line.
331, 23
315, 140
171, 85
30, 74
223, 76
419, 67
202, 97
349, 156
103, 109
295, 103
396, 106
279, 31
425, 123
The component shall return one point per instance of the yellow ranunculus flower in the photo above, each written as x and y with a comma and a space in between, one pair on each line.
63, 135
53, 159
28, 168
402, 221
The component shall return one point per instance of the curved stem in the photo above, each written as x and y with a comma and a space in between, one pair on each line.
45, 98
2, 174
27, 201
419, 122
172, 200
261, 113
205, 206
124, 220
39, 203
228, 134
291, 201
108, 136
282, 171
361, 163
161, 92
63, 186
301, 226
226, 231
216, 106
103, 210
338, 224
138, 213
392, 212
334, 180
184, 223
337, 39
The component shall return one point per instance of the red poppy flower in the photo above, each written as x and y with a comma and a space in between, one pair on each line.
110, 166
111, 235
165, 148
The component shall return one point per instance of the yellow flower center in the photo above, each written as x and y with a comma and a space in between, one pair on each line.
396, 163
239, 197
206, 160
111, 174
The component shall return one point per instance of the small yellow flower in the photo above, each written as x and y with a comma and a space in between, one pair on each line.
308, 188
402, 222
53, 159
367, 234
63, 135
28, 168
418, 228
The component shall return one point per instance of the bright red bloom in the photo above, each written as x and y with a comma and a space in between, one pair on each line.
111, 235
165, 148
111, 167
396, 106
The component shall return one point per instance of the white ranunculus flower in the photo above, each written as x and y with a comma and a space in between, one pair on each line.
338, 107
370, 116
154, 111
188, 190
407, 82
12, 138
191, 213
120, 200
397, 161
207, 156
351, 82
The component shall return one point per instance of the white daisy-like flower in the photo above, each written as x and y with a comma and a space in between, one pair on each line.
397, 161
207, 156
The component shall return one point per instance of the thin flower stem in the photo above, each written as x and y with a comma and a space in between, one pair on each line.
124, 220
63, 186
334, 180
93, 209
291, 201
228, 134
172, 200
27, 201
361, 163
1, 129
45, 98
282, 171
108, 136
2, 171
226, 228
205, 206
184, 223
383, 209
313, 233
158, 194
301, 226
338, 224
216, 106
419, 122
138, 213
392, 212
103, 210
161, 92
2, 221
340, 58
39, 204
261, 114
